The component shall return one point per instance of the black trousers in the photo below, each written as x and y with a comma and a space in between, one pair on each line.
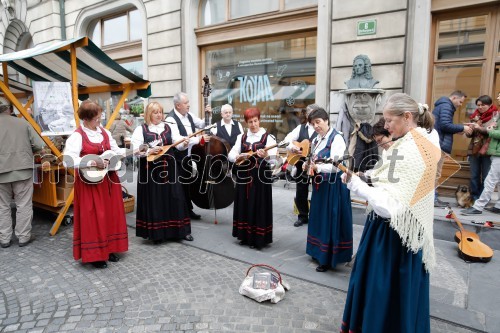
301, 198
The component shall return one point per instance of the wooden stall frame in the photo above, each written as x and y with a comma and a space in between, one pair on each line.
125, 88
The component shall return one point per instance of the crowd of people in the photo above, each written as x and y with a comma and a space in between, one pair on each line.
396, 252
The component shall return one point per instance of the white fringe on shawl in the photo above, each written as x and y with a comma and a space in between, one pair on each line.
409, 179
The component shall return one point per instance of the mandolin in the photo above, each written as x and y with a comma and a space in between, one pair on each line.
293, 158
240, 159
164, 149
470, 248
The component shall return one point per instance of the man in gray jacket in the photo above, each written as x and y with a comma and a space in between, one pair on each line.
17, 143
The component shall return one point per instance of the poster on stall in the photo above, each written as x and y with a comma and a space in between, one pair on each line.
53, 108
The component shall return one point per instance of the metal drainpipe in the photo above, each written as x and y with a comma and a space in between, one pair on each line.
62, 14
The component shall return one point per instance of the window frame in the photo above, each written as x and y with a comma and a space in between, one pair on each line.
228, 19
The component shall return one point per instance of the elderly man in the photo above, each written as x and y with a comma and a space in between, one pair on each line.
300, 133
186, 124
16, 176
227, 128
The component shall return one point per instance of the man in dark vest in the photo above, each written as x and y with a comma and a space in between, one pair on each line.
227, 128
186, 125
300, 133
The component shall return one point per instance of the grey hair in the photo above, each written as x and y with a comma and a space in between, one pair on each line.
226, 106
178, 97
312, 107
400, 103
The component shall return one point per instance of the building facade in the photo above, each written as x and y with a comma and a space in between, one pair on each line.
278, 55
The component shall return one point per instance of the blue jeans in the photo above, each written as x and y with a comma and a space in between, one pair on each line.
479, 168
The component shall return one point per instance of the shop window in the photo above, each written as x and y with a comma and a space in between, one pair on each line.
462, 37
277, 77
216, 11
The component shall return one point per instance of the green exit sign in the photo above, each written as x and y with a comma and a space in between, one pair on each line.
368, 27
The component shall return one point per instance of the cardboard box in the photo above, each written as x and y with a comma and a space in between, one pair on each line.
63, 192
66, 180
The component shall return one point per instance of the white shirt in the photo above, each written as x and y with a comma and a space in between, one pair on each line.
337, 150
252, 138
138, 136
294, 135
74, 145
198, 123
227, 126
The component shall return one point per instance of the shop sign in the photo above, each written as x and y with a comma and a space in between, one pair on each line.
255, 88
367, 27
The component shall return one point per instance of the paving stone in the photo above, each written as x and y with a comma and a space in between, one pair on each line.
173, 287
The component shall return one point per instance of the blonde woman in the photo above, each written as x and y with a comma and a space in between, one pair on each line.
162, 212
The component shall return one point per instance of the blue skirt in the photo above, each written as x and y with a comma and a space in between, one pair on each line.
329, 232
389, 287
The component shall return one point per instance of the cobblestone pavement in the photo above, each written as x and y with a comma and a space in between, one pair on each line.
171, 287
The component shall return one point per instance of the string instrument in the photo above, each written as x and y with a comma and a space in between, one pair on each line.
95, 175
293, 158
164, 149
213, 187
470, 248
240, 159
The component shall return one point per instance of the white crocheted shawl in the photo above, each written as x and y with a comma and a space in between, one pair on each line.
407, 175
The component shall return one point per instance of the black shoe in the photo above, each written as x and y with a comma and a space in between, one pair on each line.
470, 211
299, 223
189, 238
22, 244
158, 241
252, 247
6, 245
99, 264
113, 257
493, 210
322, 268
242, 242
194, 216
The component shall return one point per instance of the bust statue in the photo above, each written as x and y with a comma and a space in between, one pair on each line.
361, 77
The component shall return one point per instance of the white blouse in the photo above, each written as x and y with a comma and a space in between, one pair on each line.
252, 138
337, 150
138, 138
74, 145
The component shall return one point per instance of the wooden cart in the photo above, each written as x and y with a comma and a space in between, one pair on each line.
89, 70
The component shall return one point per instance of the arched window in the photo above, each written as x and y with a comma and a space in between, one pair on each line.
120, 36
221, 11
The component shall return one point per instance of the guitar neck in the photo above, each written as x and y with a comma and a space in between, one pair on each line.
454, 217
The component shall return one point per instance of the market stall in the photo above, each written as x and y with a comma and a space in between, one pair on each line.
88, 70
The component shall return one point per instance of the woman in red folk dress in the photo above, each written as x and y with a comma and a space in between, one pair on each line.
100, 230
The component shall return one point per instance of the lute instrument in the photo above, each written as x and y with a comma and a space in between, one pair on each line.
240, 159
95, 174
293, 158
164, 149
470, 247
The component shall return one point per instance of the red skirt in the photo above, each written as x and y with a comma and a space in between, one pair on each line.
99, 227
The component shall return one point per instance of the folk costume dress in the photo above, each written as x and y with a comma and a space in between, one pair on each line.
253, 204
389, 285
162, 211
98, 213
329, 232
